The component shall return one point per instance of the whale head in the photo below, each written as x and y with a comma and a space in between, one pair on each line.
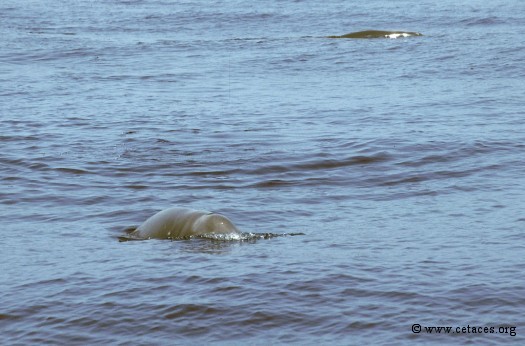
214, 223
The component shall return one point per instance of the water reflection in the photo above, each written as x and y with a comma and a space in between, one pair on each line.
212, 243
207, 246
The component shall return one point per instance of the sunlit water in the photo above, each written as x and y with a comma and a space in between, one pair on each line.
401, 161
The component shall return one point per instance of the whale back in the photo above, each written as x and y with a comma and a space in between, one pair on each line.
378, 34
182, 223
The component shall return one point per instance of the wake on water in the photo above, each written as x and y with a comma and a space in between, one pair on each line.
243, 236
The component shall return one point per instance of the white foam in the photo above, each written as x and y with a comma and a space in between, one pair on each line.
221, 236
398, 34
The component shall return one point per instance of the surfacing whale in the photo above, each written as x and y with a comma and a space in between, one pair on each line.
378, 34
184, 223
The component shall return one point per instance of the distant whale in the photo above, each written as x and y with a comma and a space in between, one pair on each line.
378, 34
181, 223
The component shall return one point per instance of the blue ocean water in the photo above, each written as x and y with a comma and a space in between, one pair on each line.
401, 161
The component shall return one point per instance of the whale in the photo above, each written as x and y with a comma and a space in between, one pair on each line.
378, 34
184, 223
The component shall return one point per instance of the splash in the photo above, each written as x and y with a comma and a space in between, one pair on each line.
245, 236
226, 237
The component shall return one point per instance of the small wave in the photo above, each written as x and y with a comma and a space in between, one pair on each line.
323, 164
8, 317
182, 311
75, 171
482, 21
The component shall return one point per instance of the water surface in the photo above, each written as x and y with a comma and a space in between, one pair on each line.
401, 160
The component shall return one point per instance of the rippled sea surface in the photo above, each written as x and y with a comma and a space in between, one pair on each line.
401, 160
